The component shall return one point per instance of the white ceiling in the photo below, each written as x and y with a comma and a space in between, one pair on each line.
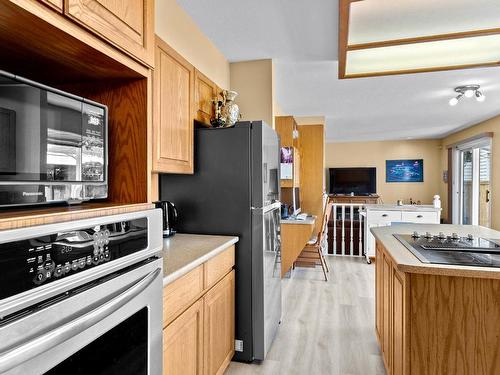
301, 36
261, 29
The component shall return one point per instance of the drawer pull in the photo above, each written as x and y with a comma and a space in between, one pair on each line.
384, 215
420, 216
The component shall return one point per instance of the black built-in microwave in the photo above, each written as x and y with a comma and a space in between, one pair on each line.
53, 145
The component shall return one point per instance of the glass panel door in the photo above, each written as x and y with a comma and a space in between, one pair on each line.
466, 191
474, 194
485, 186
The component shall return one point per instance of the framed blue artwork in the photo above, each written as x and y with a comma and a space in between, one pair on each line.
409, 170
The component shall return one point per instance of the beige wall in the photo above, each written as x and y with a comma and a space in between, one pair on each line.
492, 125
178, 29
374, 154
254, 82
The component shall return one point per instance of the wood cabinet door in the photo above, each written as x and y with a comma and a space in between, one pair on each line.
378, 293
55, 4
126, 24
205, 91
219, 326
173, 98
398, 323
183, 343
386, 310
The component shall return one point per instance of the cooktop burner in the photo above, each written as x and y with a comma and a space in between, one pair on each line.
453, 249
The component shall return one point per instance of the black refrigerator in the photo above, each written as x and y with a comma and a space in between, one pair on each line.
235, 190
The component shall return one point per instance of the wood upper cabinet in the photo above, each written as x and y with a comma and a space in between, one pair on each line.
129, 25
173, 98
219, 326
55, 4
204, 92
285, 125
183, 343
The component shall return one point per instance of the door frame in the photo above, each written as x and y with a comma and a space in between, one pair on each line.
457, 172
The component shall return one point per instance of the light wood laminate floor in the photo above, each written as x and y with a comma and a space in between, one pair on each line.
328, 328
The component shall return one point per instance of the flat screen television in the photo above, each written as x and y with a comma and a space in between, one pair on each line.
360, 181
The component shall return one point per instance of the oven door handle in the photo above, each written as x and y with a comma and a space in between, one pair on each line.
34, 347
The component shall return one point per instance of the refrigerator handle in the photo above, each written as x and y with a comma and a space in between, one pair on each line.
265, 173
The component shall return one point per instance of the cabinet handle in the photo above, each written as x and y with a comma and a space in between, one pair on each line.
419, 216
384, 215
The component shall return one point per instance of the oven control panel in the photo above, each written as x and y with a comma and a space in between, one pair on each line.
28, 263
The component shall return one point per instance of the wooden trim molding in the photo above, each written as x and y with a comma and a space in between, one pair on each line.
344, 47
449, 218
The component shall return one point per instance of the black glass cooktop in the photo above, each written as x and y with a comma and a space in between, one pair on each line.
465, 251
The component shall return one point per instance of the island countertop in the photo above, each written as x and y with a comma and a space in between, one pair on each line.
184, 252
405, 261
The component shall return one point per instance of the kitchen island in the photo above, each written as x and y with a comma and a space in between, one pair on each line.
435, 318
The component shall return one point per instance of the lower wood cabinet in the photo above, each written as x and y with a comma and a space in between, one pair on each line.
399, 333
391, 309
183, 342
219, 326
198, 337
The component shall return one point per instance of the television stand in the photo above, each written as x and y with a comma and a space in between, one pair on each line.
360, 199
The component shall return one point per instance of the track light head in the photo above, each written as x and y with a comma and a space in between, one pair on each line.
480, 96
454, 101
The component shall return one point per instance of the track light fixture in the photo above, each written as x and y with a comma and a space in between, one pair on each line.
467, 91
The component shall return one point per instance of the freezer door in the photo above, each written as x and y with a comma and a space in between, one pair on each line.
265, 165
267, 277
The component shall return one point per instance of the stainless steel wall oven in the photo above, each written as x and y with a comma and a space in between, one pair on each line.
53, 145
83, 297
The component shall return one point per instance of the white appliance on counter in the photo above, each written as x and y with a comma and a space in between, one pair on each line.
382, 215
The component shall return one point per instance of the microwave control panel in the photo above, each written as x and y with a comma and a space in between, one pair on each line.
28, 263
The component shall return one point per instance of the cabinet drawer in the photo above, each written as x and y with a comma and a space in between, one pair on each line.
217, 267
384, 216
420, 217
181, 293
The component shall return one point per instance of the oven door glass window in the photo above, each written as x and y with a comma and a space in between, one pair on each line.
121, 351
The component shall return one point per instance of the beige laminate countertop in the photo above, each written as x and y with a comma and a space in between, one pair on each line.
184, 252
404, 207
407, 262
